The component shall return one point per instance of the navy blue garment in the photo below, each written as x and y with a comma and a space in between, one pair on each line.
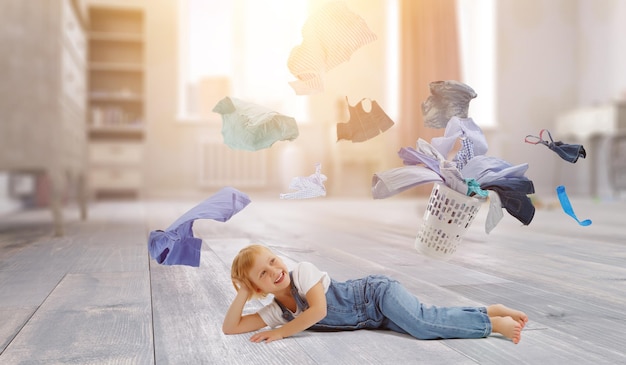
513, 195
568, 152
177, 244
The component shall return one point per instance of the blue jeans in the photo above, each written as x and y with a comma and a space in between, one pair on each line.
378, 302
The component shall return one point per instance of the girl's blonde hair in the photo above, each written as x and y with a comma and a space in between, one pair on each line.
242, 264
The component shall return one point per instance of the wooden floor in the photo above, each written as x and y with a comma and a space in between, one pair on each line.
94, 297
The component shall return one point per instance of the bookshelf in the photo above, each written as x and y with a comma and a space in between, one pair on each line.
116, 100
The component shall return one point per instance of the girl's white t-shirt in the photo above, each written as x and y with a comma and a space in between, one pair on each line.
305, 276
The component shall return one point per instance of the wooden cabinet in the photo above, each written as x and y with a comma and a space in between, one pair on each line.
43, 94
116, 99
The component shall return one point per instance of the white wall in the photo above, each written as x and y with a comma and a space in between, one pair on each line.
554, 56
602, 51
537, 78
602, 80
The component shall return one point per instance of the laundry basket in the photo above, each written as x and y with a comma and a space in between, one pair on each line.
447, 218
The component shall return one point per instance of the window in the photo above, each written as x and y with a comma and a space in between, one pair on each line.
238, 48
476, 20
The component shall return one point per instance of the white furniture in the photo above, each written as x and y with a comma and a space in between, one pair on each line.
584, 123
618, 162
116, 98
42, 94
599, 129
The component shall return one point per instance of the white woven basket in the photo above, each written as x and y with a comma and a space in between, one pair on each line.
447, 218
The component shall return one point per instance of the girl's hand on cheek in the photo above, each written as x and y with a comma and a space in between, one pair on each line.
267, 336
243, 290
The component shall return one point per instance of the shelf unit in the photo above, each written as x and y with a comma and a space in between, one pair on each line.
116, 100
43, 97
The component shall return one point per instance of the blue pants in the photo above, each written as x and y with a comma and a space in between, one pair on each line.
378, 302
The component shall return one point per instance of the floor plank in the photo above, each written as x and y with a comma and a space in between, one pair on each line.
94, 297
12, 322
90, 318
345, 251
189, 307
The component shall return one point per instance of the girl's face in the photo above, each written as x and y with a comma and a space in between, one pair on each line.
269, 273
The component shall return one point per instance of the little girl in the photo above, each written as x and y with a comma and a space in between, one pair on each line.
308, 298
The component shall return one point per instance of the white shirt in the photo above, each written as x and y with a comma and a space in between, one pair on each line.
305, 276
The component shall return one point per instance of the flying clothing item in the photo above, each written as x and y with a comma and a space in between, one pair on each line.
567, 206
410, 156
469, 171
436, 169
568, 152
473, 189
432, 157
513, 193
486, 169
469, 133
394, 181
251, 127
465, 153
307, 187
453, 178
495, 212
177, 244
508, 181
362, 124
448, 99
330, 36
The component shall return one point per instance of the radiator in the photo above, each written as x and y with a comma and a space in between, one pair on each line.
220, 165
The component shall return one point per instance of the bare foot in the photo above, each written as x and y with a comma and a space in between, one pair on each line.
507, 327
500, 310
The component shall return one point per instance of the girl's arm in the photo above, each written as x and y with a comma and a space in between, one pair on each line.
234, 322
316, 312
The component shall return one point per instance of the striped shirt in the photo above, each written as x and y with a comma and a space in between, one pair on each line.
330, 36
